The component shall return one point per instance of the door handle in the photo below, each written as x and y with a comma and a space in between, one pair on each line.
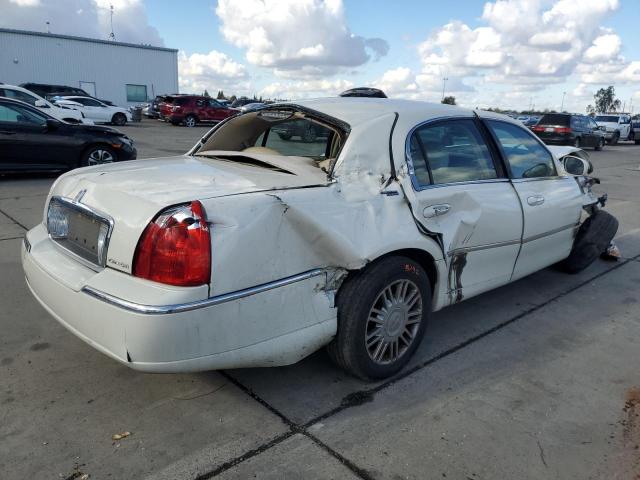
436, 210
535, 200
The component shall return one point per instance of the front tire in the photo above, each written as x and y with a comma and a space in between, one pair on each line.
119, 119
382, 315
97, 155
593, 238
614, 139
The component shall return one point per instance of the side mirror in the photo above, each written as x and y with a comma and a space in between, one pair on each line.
41, 104
53, 124
576, 166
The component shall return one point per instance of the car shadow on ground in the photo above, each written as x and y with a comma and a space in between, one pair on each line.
293, 390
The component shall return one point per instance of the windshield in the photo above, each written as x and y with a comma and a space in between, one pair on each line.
607, 118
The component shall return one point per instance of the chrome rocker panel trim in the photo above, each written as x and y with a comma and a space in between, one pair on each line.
208, 302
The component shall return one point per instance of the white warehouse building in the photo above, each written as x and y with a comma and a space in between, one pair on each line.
123, 73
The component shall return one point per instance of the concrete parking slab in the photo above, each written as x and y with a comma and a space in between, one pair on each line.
61, 402
252, 432
550, 396
296, 457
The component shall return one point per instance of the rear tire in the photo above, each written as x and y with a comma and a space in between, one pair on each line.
600, 144
190, 121
382, 315
577, 142
119, 119
593, 238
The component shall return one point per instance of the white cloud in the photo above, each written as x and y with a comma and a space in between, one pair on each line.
525, 39
85, 18
212, 71
307, 36
305, 89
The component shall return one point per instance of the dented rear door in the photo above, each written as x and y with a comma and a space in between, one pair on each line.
459, 194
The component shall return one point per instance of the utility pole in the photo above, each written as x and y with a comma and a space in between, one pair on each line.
444, 82
562, 105
48, 25
112, 36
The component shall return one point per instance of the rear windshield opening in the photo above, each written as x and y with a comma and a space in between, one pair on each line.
278, 133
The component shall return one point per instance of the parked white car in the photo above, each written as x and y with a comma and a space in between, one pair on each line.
617, 126
66, 114
95, 110
253, 251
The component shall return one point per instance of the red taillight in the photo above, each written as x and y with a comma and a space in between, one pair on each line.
537, 129
563, 130
176, 108
176, 248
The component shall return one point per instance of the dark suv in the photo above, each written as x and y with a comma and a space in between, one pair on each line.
569, 129
49, 91
192, 109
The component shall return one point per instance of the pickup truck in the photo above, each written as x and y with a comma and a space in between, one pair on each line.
617, 126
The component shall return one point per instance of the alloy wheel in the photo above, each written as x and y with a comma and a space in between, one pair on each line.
190, 122
393, 322
100, 156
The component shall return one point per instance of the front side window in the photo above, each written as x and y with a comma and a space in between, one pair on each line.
136, 93
526, 156
87, 102
450, 151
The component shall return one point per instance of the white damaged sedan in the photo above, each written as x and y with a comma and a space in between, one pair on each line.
340, 222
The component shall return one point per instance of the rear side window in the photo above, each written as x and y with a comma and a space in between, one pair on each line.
20, 96
450, 151
526, 156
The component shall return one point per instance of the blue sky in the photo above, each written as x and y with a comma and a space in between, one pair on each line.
506, 53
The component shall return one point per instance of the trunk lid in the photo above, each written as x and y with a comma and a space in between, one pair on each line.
133, 193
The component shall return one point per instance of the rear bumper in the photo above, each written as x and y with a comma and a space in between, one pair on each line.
278, 326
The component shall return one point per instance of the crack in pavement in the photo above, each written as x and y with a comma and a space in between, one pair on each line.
12, 219
369, 393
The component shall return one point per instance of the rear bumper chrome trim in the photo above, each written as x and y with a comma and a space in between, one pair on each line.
208, 302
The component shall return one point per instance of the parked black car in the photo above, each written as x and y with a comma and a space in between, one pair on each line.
32, 140
364, 92
48, 91
570, 129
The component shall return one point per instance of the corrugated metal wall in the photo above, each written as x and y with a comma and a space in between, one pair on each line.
28, 57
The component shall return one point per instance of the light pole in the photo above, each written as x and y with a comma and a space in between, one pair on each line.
444, 82
562, 105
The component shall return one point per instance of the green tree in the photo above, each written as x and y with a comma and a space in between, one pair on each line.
233, 98
449, 100
206, 94
220, 95
605, 100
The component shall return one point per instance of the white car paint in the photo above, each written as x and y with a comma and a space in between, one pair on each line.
93, 109
615, 124
283, 243
67, 114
